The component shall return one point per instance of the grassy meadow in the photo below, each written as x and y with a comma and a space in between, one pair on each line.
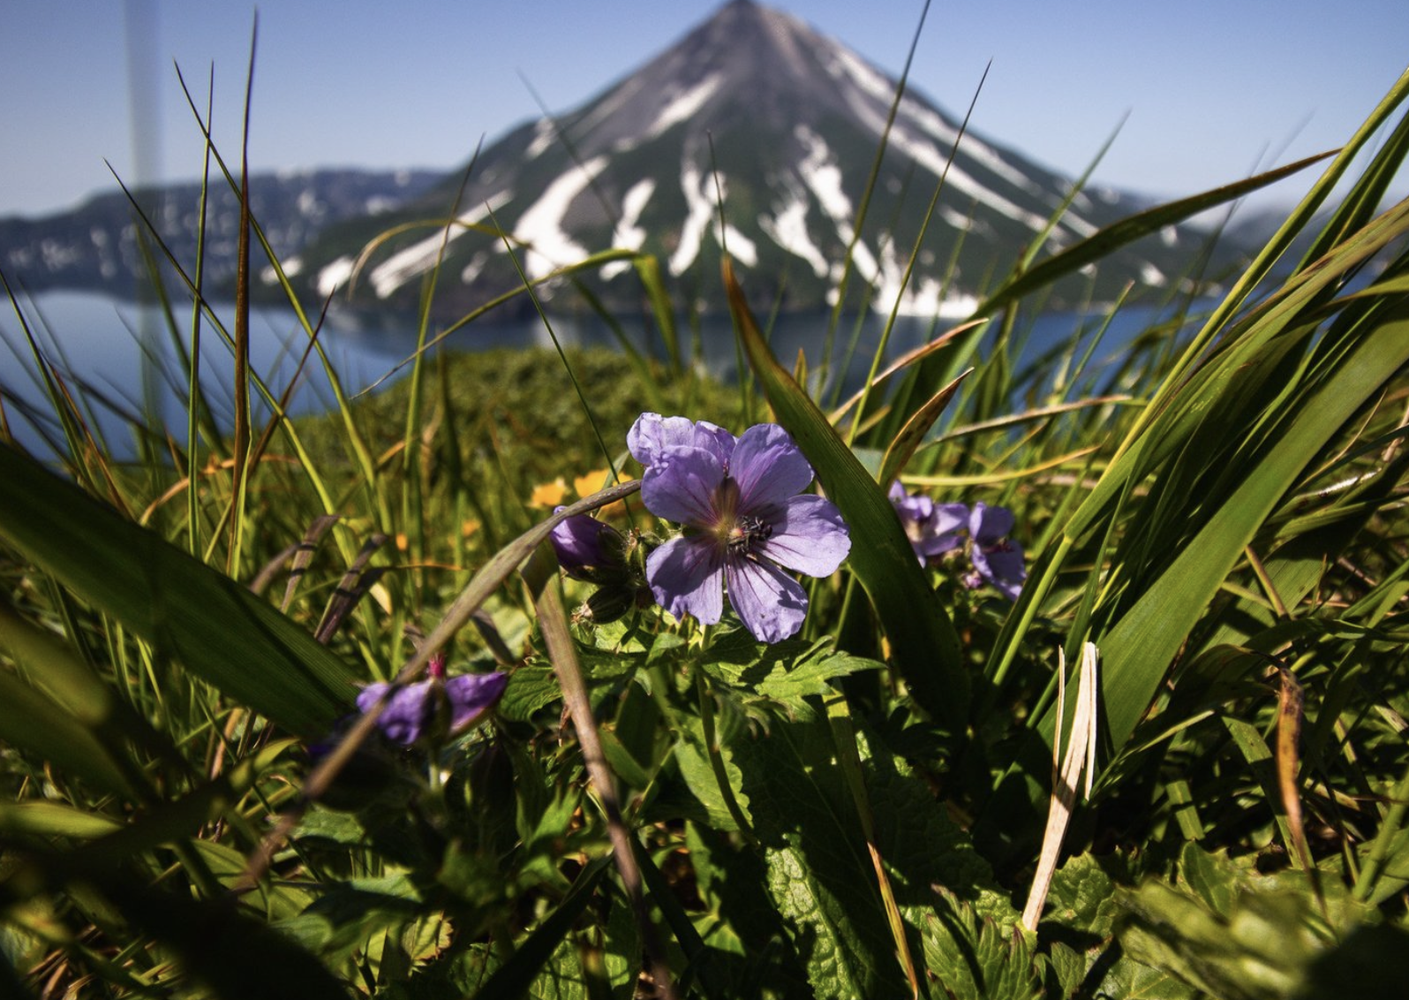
1107, 699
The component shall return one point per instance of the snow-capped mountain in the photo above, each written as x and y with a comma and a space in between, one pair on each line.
783, 122
753, 117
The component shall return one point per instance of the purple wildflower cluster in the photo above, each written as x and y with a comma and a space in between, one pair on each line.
435, 706
935, 529
746, 522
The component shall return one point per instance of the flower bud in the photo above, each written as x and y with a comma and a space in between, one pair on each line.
588, 549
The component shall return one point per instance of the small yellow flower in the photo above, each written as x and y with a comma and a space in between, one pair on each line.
548, 495
591, 482
600, 479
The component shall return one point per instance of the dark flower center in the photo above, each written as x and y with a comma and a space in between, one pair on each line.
748, 531
737, 532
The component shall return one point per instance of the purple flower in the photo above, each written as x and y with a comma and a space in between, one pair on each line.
588, 549
996, 559
745, 519
933, 529
416, 709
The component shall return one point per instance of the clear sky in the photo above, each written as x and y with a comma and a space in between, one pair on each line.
1213, 88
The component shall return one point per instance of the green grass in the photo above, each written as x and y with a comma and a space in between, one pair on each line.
193, 804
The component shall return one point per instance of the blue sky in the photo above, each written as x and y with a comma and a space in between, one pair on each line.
1212, 89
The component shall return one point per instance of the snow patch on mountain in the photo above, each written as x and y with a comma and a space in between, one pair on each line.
420, 257
543, 133
787, 227
701, 211
541, 226
823, 178
684, 106
1152, 275
471, 271
629, 234
917, 118
331, 276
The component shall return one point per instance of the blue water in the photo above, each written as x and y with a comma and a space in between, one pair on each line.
124, 355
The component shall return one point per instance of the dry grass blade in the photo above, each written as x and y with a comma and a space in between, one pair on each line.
903, 448
354, 584
1291, 701
1080, 756
552, 620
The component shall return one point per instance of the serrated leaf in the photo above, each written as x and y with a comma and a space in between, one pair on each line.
975, 958
549, 946
531, 689
1081, 896
820, 873
1128, 979
812, 677
1068, 967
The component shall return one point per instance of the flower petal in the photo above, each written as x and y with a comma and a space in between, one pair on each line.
770, 603
471, 694
405, 711
949, 517
911, 507
1002, 566
686, 576
768, 467
651, 433
809, 535
988, 524
680, 485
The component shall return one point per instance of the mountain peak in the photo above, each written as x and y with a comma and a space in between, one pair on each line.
754, 115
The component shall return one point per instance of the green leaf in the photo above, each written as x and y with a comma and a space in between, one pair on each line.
1153, 628
786, 674
974, 958
820, 873
211, 624
924, 643
1068, 967
1131, 980
699, 776
1080, 897
52, 819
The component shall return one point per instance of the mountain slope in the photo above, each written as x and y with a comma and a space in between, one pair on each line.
784, 123
95, 245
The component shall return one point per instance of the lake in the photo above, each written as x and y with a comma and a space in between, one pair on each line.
110, 344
